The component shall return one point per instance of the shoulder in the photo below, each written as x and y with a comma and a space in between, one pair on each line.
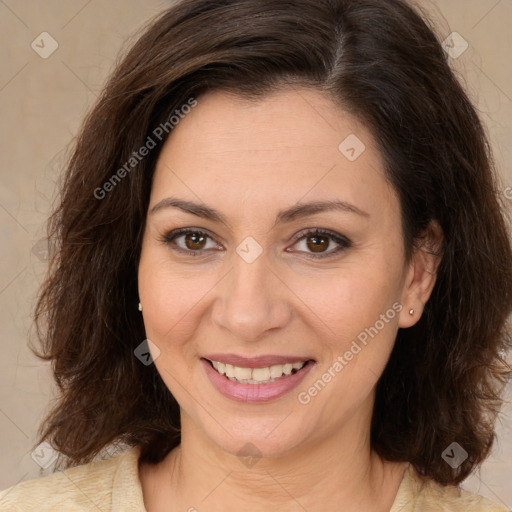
86, 487
419, 494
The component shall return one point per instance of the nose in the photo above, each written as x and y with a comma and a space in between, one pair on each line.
252, 300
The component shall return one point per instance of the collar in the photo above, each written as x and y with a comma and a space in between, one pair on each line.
127, 489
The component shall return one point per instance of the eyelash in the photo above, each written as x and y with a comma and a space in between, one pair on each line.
343, 242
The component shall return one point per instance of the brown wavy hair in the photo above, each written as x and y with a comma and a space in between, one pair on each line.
382, 62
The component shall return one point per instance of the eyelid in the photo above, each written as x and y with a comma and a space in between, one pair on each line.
342, 241
170, 236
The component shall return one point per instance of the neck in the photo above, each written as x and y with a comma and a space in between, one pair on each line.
336, 468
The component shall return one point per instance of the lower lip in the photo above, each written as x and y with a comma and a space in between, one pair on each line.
255, 393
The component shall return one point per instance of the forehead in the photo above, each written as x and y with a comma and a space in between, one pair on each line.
289, 146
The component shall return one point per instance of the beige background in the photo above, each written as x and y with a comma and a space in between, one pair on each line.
42, 102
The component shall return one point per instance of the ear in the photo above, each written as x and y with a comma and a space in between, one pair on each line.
421, 275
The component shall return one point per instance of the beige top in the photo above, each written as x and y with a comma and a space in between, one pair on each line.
113, 485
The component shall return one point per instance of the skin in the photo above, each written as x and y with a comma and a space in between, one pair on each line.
249, 160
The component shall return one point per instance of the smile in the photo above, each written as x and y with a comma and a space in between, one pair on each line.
256, 380
264, 375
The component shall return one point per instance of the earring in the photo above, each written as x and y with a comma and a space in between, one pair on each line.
411, 311
140, 306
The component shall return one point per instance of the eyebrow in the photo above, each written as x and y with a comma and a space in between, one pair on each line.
297, 211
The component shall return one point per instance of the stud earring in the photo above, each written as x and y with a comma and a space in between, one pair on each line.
140, 306
411, 311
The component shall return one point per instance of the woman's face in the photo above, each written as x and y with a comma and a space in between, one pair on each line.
254, 290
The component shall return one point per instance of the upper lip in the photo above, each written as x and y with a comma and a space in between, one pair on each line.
255, 362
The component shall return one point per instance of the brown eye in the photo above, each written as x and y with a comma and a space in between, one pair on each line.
317, 241
189, 241
195, 240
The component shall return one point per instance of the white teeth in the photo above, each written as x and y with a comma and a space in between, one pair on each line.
230, 371
256, 375
260, 374
242, 373
276, 371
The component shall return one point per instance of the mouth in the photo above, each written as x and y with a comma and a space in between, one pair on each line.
251, 381
262, 375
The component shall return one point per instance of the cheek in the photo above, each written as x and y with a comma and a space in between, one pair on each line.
359, 322
174, 298
342, 303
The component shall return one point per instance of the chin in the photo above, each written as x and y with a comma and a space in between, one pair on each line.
268, 437
254, 447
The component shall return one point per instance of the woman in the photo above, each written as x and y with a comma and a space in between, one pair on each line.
282, 274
